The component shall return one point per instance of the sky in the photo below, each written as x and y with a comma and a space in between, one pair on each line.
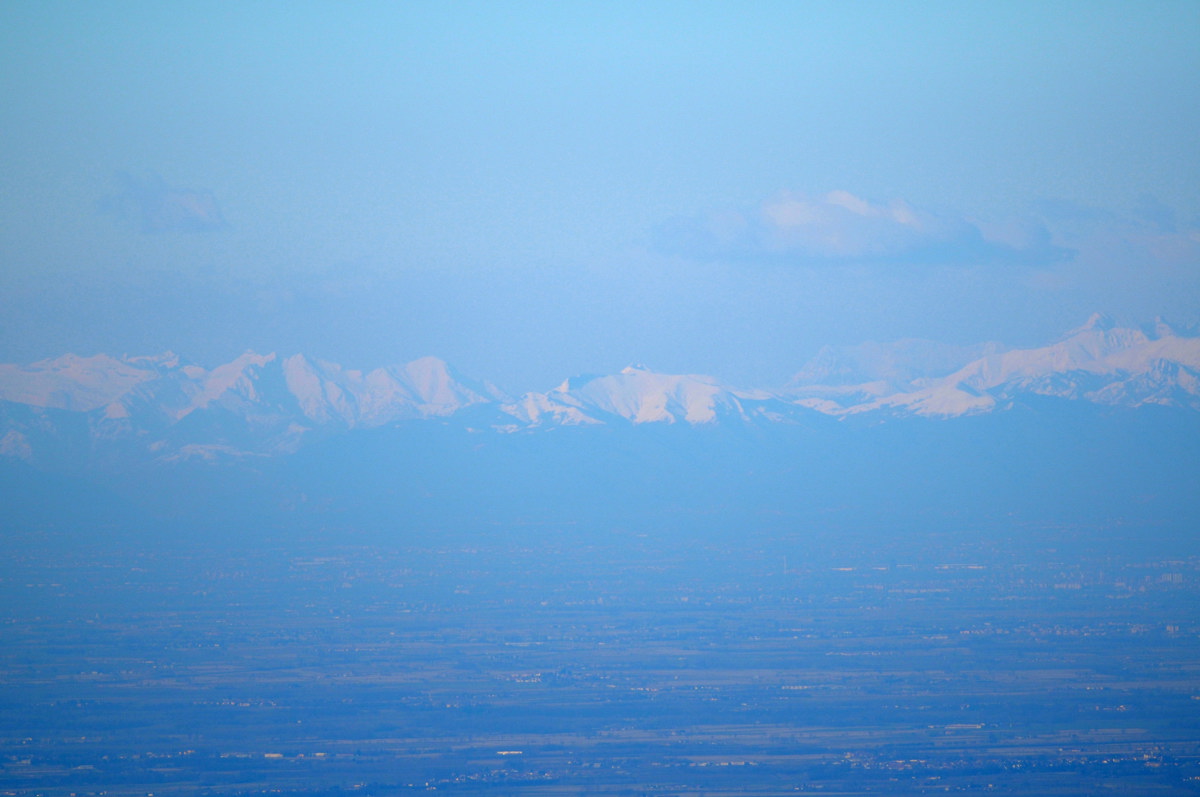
534, 190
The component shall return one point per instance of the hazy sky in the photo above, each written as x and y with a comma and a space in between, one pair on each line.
533, 190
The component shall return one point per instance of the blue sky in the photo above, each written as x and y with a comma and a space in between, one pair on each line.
531, 190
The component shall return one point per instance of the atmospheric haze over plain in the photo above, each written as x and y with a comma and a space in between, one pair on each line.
558, 398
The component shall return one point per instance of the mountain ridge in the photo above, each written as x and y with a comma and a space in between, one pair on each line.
165, 407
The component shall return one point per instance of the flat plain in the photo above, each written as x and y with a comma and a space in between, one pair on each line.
553, 664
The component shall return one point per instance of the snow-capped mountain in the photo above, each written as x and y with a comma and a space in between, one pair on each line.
71, 382
256, 403
1098, 362
898, 365
423, 388
840, 379
639, 395
259, 404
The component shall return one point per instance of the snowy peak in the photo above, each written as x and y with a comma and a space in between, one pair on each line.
1098, 362
642, 396
1110, 352
1101, 322
71, 382
256, 402
423, 388
637, 395
899, 364
236, 381
634, 394
440, 390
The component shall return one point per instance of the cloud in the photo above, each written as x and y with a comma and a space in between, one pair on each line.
1151, 235
158, 207
840, 227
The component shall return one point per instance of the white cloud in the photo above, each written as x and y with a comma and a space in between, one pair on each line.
843, 227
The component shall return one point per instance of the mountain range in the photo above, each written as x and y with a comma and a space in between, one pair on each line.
165, 408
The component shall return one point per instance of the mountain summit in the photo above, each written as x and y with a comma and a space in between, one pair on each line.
638, 395
1098, 362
